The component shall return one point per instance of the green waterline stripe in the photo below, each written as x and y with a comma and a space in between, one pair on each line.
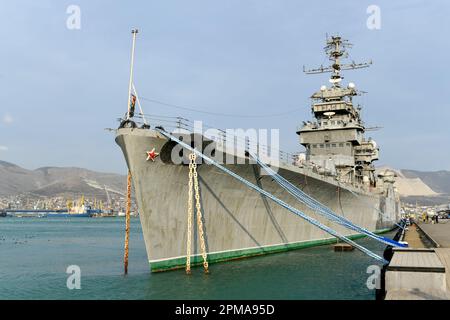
177, 263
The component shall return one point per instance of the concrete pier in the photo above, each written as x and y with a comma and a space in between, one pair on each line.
438, 233
421, 271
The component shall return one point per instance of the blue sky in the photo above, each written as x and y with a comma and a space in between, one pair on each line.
60, 88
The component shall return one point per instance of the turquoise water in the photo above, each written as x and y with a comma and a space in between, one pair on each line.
34, 255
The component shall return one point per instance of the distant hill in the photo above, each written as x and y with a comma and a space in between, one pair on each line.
423, 187
439, 181
54, 181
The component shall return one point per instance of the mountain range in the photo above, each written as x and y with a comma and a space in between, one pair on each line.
55, 181
424, 187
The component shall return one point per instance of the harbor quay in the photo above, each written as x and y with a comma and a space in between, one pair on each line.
422, 270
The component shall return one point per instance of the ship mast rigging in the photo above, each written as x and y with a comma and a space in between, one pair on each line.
336, 49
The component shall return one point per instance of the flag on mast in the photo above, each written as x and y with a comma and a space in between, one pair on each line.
132, 105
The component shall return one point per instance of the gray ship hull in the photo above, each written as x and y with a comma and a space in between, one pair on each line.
238, 221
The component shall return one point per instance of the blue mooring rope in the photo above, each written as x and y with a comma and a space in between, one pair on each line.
319, 207
275, 199
379, 211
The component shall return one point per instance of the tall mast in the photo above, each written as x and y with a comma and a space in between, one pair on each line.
134, 33
336, 49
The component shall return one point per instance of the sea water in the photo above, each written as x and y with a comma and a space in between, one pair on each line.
35, 254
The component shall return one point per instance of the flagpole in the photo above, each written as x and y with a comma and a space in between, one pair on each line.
127, 214
134, 33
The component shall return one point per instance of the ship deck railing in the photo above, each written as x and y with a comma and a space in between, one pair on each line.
287, 159
180, 125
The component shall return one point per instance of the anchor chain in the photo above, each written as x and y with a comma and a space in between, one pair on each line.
127, 223
189, 226
193, 184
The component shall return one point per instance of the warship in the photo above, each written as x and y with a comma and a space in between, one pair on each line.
336, 168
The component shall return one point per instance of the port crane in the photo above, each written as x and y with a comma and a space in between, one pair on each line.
108, 198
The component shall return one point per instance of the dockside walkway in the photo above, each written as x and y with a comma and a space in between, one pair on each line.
421, 271
439, 233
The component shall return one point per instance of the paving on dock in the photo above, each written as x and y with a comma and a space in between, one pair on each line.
444, 256
438, 232
417, 274
415, 238
421, 271
416, 294
415, 260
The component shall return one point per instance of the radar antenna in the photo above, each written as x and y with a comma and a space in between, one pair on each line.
336, 50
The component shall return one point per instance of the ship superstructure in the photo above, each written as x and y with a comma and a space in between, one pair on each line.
335, 140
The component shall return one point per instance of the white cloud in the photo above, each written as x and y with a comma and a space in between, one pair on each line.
3, 148
8, 119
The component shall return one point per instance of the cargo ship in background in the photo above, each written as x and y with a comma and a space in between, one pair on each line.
38, 213
336, 169
77, 209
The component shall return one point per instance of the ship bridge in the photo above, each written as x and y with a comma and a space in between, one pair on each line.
335, 140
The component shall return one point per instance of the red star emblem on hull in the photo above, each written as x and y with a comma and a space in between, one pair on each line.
151, 155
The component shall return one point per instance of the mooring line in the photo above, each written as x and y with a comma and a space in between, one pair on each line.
275, 199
